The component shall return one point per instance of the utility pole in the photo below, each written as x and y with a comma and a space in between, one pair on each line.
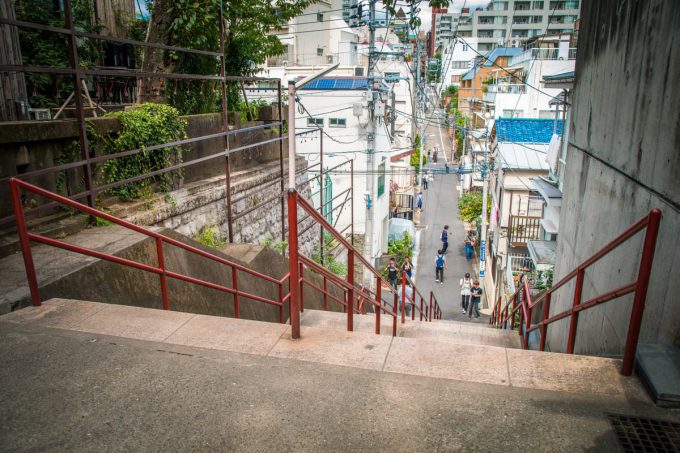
422, 135
370, 136
485, 194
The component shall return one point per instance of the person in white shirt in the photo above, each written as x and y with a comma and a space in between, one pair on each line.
465, 291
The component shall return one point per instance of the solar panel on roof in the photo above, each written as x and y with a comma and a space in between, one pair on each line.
344, 84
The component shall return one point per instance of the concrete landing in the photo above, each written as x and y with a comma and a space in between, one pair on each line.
439, 357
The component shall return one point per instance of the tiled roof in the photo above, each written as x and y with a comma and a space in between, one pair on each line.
526, 130
337, 83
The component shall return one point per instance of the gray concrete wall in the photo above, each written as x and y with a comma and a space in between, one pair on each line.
112, 283
623, 160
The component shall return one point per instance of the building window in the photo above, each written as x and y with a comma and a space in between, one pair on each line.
381, 179
319, 52
465, 47
337, 122
455, 78
315, 122
319, 17
538, 5
509, 113
546, 114
392, 76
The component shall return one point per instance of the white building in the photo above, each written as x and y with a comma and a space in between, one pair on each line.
511, 22
444, 26
339, 105
508, 96
457, 59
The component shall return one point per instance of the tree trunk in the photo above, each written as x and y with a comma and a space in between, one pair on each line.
154, 60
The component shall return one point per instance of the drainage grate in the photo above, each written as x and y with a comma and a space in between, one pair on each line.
637, 434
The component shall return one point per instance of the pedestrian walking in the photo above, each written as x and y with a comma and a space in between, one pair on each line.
440, 265
429, 154
425, 180
392, 273
469, 245
420, 200
406, 303
445, 238
434, 156
465, 292
475, 298
407, 267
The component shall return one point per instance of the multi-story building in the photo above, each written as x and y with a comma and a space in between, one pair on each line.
512, 22
509, 92
457, 59
443, 27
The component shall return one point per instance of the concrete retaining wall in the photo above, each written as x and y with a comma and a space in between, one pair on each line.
622, 161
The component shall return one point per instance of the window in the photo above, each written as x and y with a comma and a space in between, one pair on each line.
319, 17
509, 113
392, 77
319, 52
455, 78
465, 47
546, 114
538, 5
315, 122
461, 64
381, 179
337, 122
358, 71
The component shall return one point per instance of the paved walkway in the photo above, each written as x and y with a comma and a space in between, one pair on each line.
440, 208
79, 390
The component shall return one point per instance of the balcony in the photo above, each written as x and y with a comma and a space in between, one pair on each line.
517, 264
513, 88
562, 4
524, 229
544, 54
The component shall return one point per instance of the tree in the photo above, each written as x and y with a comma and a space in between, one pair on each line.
470, 207
400, 249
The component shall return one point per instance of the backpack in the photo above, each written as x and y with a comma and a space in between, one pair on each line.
440, 261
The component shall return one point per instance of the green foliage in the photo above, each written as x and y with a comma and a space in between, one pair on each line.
414, 160
273, 244
328, 259
251, 110
146, 125
210, 237
541, 280
44, 48
400, 249
461, 123
470, 207
452, 90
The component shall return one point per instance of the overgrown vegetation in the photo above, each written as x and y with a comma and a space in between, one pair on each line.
470, 207
278, 246
143, 126
414, 160
328, 258
400, 249
460, 125
210, 236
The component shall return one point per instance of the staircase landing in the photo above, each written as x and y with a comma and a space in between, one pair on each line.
445, 350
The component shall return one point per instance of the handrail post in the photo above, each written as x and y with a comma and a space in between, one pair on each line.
302, 291
234, 284
350, 290
514, 306
573, 321
644, 272
293, 287
430, 306
527, 303
25, 243
421, 307
325, 293
395, 312
403, 298
546, 315
281, 320
378, 299
163, 278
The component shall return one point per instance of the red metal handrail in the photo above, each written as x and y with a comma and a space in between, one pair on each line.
424, 311
639, 286
25, 237
380, 304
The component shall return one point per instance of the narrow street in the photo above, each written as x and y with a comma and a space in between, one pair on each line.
440, 208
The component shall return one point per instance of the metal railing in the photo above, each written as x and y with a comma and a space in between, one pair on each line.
523, 304
426, 311
25, 238
523, 229
355, 297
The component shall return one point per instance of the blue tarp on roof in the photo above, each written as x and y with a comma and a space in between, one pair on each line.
501, 52
526, 130
334, 83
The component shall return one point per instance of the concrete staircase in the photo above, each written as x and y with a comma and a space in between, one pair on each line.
442, 349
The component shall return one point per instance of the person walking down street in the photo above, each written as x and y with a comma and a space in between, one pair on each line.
434, 156
469, 245
475, 298
445, 238
407, 302
407, 267
440, 265
392, 273
465, 291
429, 154
420, 200
425, 180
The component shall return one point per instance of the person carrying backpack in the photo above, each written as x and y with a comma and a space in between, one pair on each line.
445, 238
440, 264
407, 267
392, 273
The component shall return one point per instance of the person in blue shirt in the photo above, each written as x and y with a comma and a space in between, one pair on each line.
420, 200
475, 298
445, 238
407, 267
440, 264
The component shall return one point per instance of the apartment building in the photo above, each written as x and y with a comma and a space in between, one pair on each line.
512, 22
443, 27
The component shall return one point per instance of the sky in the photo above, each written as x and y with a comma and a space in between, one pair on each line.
454, 6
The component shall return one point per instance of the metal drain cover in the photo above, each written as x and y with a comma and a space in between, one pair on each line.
638, 434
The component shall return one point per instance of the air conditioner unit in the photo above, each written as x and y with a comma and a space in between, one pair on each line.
285, 62
329, 59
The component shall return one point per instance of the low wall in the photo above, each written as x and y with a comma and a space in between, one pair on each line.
116, 284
